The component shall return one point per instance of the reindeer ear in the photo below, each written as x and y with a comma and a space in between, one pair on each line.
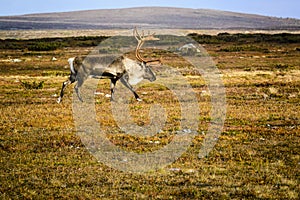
143, 64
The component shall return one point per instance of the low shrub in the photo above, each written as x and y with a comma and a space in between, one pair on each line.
32, 85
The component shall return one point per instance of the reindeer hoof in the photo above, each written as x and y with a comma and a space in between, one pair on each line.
108, 96
138, 99
80, 99
58, 100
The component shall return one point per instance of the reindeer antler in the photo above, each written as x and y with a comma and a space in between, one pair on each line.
141, 40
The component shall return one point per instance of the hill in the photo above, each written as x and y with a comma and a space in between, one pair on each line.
147, 17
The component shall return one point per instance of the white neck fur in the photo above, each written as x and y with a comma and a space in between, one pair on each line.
71, 61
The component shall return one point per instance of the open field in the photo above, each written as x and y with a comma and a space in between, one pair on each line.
256, 157
33, 34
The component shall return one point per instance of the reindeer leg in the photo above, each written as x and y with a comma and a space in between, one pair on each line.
63, 88
77, 86
125, 82
113, 82
80, 78
77, 92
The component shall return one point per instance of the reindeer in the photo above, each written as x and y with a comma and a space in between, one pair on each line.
129, 72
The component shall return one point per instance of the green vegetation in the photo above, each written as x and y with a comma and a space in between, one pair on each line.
256, 156
32, 85
238, 38
49, 44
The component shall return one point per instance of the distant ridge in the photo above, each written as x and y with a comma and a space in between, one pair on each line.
147, 17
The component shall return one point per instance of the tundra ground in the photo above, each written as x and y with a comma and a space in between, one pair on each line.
256, 157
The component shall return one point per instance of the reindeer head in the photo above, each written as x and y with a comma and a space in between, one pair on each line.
145, 64
148, 73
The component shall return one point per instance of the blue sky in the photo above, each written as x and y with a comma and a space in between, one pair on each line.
278, 8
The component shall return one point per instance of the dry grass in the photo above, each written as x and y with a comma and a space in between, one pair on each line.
256, 157
32, 34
